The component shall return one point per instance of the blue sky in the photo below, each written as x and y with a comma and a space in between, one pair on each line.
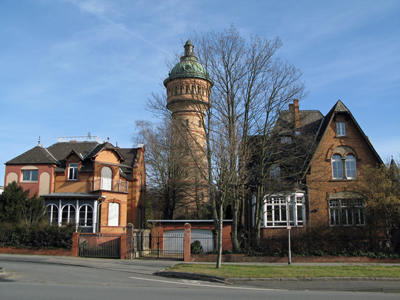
69, 67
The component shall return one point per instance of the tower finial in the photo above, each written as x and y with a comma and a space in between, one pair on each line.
39, 144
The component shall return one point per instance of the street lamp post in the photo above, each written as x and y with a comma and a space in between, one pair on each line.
288, 228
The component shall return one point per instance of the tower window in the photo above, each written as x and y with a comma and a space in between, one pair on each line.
192, 89
198, 90
199, 123
181, 89
187, 89
187, 122
176, 90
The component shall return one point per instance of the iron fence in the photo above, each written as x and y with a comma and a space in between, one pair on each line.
161, 247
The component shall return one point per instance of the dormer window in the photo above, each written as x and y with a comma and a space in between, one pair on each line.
73, 171
286, 139
341, 129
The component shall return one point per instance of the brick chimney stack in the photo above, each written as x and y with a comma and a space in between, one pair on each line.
295, 107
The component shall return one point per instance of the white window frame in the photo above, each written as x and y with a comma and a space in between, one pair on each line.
73, 171
27, 175
340, 128
344, 168
337, 167
113, 214
351, 167
286, 139
50, 209
85, 209
283, 210
69, 211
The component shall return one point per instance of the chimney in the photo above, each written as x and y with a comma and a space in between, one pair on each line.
296, 114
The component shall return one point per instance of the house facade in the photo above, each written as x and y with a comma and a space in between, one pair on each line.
86, 182
316, 185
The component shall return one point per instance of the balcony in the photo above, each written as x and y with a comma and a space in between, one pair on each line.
105, 184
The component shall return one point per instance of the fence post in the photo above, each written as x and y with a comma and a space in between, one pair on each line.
186, 242
123, 246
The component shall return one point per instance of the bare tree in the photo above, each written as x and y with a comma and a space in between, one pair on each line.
167, 172
251, 87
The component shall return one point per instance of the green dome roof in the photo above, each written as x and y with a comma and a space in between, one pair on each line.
188, 67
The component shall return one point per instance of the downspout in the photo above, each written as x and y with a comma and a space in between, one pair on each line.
98, 214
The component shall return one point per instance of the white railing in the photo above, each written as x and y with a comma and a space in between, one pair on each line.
82, 138
110, 185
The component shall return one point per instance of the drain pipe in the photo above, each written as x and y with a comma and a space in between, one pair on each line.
98, 213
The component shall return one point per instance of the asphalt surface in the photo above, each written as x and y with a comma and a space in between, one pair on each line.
157, 267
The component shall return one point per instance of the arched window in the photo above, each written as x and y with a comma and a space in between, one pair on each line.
344, 167
351, 171
86, 215
198, 90
176, 90
113, 214
106, 178
52, 213
187, 89
68, 214
337, 167
181, 89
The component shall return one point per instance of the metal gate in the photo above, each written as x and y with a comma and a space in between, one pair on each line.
167, 246
100, 245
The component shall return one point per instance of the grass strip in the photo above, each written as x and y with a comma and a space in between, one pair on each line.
288, 271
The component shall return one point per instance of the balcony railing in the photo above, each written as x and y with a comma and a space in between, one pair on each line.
110, 185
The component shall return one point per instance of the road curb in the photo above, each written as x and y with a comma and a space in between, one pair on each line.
194, 276
212, 278
314, 279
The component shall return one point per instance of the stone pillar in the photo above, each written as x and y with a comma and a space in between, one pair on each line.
123, 246
75, 244
186, 242
129, 241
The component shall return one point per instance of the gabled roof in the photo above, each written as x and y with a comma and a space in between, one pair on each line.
86, 151
339, 107
61, 150
130, 156
36, 155
100, 147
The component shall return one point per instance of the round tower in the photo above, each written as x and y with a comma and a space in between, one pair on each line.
188, 97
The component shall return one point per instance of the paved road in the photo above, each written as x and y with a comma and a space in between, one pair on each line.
46, 277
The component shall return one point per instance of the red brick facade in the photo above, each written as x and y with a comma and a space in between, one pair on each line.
340, 144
